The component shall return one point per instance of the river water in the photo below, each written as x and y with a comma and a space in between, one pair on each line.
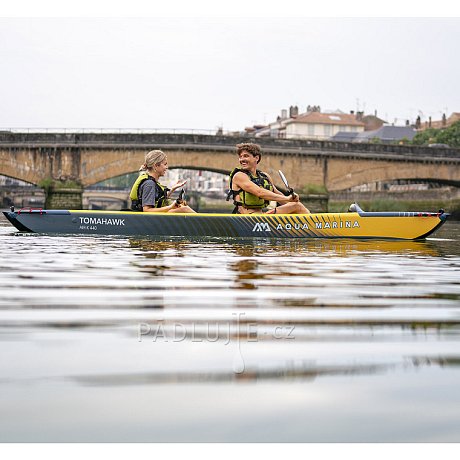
125, 339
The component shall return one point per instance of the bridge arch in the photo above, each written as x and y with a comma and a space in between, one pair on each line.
130, 181
4, 178
101, 165
345, 174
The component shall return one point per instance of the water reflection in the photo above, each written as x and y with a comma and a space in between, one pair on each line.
293, 371
288, 371
286, 247
157, 316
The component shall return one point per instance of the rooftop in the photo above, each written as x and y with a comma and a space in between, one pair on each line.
328, 118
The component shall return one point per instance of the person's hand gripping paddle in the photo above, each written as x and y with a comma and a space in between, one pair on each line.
181, 199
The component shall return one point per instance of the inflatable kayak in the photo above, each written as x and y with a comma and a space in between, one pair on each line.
355, 224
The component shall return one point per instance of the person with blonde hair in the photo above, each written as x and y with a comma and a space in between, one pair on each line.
147, 194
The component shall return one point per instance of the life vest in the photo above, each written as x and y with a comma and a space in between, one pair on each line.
248, 200
161, 193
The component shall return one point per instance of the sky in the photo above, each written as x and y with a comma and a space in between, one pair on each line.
231, 72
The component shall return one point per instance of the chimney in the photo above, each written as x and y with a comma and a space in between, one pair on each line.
283, 114
293, 111
359, 116
352, 112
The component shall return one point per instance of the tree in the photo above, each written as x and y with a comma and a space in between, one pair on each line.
425, 137
449, 136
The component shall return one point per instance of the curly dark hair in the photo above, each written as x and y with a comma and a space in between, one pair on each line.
253, 149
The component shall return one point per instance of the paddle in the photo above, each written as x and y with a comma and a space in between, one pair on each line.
180, 199
285, 182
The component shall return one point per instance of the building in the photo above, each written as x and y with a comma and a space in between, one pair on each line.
372, 122
313, 124
277, 128
437, 124
318, 125
385, 134
200, 181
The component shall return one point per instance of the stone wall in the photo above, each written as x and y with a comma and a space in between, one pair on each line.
64, 198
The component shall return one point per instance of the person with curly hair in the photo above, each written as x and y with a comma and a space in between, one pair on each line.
252, 189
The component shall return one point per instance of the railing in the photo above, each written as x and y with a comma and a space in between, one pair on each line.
195, 138
209, 132
192, 131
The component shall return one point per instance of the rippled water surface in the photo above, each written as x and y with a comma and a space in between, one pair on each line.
123, 339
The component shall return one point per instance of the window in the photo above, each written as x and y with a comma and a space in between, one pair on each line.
311, 130
327, 130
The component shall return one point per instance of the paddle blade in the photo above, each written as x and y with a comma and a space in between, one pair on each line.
283, 178
290, 191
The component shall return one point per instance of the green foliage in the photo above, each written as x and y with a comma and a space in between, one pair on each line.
313, 189
66, 184
375, 140
425, 137
48, 184
449, 136
403, 141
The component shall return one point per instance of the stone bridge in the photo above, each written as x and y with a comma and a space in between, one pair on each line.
90, 158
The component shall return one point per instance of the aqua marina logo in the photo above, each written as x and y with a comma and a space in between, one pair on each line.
261, 227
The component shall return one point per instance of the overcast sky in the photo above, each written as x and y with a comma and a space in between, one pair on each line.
198, 73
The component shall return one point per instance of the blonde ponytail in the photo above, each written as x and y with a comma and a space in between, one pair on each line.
154, 157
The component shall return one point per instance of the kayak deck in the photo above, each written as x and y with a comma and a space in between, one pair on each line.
360, 224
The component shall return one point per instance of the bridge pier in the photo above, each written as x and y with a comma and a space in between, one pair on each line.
63, 196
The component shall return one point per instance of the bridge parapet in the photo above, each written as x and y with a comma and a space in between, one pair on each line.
221, 143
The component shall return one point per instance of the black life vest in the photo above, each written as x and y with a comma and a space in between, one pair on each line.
161, 193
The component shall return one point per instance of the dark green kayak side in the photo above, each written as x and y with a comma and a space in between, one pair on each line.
134, 223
